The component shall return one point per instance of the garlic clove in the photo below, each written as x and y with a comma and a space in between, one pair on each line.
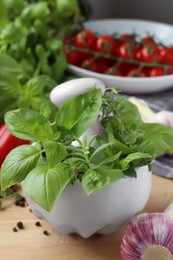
148, 236
165, 118
169, 210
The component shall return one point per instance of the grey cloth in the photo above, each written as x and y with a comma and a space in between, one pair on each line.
163, 166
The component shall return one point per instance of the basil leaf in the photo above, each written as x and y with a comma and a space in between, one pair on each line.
96, 179
55, 153
101, 149
67, 8
127, 112
44, 185
158, 139
28, 124
40, 9
47, 109
133, 157
10, 65
79, 113
60, 64
111, 159
37, 84
124, 122
3, 14
18, 163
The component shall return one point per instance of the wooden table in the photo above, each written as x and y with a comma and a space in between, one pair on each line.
31, 244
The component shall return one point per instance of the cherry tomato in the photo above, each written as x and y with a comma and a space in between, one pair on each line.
125, 67
136, 72
124, 50
170, 71
147, 53
148, 39
103, 65
90, 64
73, 57
155, 72
165, 55
105, 44
114, 71
126, 37
85, 39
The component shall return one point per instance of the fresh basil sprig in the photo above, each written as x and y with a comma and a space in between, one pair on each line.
46, 167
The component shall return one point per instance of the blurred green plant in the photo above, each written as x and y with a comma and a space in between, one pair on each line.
32, 59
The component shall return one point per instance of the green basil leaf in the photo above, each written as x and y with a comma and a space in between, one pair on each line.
96, 179
59, 66
18, 163
158, 139
79, 113
47, 109
133, 157
124, 121
127, 112
44, 185
111, 159
67, 8
40, 9
3, 15
100, 149
29, 124
10, 85
55, 153
10, 65
37, 84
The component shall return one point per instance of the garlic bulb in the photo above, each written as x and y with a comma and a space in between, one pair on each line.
148, 236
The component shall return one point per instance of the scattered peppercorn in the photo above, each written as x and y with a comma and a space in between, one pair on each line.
46, 233
38, 224
15, 229
21, 202
20, 225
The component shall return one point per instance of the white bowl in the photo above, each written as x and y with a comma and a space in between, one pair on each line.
163, 32
102, 212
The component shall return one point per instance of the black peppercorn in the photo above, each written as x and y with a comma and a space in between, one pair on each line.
20, 225
45, 232
15, 229
38, 224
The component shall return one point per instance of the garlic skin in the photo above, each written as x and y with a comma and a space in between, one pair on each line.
144, 231
164, 117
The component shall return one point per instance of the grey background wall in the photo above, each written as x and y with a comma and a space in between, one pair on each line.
154, 10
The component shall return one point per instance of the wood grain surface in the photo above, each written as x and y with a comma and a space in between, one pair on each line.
31, 244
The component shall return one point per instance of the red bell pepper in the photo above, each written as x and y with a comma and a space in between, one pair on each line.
8, 142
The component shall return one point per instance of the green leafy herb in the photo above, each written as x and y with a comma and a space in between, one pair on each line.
19, 162
79, 113
44, 185
47, 167
32, 58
